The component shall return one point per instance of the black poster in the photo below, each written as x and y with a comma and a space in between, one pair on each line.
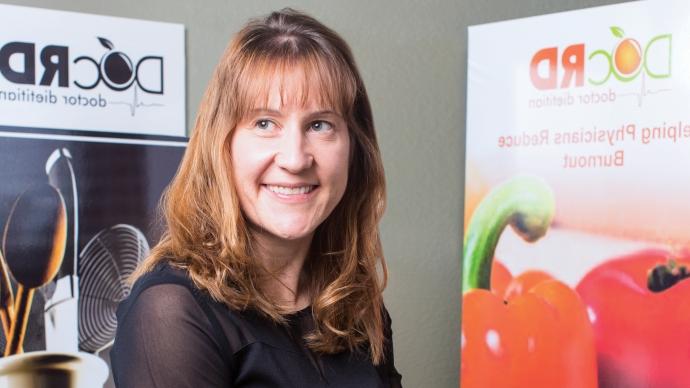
77, 214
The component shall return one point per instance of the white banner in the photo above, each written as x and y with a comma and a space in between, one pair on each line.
579, 122
595, 102
73, 71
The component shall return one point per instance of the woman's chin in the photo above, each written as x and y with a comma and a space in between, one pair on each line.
292, 233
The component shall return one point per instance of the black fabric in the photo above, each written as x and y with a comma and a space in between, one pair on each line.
171, 335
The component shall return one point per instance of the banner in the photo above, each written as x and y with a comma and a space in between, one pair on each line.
92, 125
578, 138
76, 71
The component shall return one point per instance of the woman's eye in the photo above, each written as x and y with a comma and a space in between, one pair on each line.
264, 125
321, 126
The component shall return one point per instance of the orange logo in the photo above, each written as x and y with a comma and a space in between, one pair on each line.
625, 62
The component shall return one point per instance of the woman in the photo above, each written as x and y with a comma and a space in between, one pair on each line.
270, 272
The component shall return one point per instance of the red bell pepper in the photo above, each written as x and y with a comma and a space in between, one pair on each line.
541, 338
508, 287
639, 306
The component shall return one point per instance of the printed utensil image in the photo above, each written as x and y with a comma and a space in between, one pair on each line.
34, 245
105, 264
61, 294
6, 298
52, 370
60, 174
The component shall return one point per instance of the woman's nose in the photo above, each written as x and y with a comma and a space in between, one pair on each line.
294, 155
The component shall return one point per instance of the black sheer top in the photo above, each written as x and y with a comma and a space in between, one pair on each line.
172, 335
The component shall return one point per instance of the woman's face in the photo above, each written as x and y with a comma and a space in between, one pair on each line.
290, 163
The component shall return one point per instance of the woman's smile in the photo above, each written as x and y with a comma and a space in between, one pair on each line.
295, 193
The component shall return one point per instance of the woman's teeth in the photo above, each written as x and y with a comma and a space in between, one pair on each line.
290, 190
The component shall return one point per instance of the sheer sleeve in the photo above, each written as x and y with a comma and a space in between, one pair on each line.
387, 369
164, 340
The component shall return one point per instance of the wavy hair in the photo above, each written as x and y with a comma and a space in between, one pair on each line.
206, 232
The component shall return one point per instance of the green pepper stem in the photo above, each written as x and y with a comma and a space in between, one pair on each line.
526, 203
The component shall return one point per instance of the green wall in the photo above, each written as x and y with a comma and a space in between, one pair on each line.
412, 55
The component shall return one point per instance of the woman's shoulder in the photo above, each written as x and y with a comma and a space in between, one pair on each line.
163, 273
162, 279
167, 293
162, 325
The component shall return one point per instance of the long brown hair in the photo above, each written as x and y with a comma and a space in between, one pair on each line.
207, 233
